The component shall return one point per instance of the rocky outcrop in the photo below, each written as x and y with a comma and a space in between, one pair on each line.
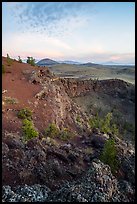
97, 185
115, 87
64, 168
35, 193
64, 110
126, 157
40, 160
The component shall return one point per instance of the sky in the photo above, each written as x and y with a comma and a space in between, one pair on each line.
80, 31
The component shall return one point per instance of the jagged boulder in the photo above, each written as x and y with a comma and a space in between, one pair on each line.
35, 193
126, 157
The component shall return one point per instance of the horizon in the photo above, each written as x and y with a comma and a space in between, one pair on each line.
24, 60
58, 30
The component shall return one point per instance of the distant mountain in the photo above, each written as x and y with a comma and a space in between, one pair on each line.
46, 61
90, 64
109, 63
117, 63
69, 62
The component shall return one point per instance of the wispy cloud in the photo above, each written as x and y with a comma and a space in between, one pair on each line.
29, 45
87, 31
52, 18
102, 57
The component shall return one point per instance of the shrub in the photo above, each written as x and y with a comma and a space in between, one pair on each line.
9, 60
95, 122
19, 60
29, 131
52, 130
31, 61
10, 100
3, 69
104, 124
25, 113
109, 154
65, 134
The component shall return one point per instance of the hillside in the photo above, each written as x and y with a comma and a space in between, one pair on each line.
58, 158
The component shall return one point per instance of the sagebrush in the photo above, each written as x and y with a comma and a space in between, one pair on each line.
29, 130
25, 113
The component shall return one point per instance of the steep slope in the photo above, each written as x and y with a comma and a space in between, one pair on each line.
43, 93
103, 96
40, 91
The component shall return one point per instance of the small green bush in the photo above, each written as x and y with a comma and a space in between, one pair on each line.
3, 69
28, 129
31, 61
109, 154
9, 60
104, 124
65, 134
25, 113
95, 121
10, 100
52, 130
